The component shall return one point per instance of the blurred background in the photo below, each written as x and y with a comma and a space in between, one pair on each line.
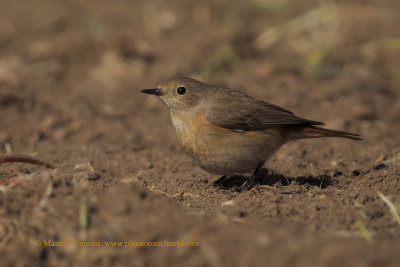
91, 57
70, 76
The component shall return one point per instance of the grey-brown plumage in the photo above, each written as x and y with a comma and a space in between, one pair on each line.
235, 110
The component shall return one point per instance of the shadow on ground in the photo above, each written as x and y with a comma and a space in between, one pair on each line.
266, 177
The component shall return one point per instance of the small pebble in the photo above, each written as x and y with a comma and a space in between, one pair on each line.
337, 174
380, 166
241, 214
93, 176
380, 158
228, 203
356, 172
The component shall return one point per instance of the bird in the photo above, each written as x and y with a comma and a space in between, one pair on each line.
227, 132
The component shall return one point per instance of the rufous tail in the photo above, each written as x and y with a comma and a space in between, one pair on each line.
315, 132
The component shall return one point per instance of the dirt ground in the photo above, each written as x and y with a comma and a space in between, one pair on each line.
70, 76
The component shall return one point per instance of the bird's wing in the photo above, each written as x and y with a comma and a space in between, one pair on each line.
234, 110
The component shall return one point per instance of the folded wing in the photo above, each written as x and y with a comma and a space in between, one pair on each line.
237, 111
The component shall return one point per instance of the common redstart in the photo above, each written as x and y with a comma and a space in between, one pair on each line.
227, 132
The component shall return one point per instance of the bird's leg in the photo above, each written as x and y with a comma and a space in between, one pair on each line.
257, 170
252, 179
219, 181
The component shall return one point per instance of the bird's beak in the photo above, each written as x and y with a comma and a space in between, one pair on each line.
154, 91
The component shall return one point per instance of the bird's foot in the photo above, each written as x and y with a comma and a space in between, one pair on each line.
248, 184
251, 181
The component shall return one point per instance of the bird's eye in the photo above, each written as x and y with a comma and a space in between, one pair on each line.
181, 90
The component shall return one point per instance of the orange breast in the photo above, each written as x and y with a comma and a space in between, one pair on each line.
201, 138
221, 150
197, 136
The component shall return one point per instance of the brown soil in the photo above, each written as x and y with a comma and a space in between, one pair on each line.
70, 75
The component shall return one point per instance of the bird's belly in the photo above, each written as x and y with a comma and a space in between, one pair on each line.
224, 151
233, 153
